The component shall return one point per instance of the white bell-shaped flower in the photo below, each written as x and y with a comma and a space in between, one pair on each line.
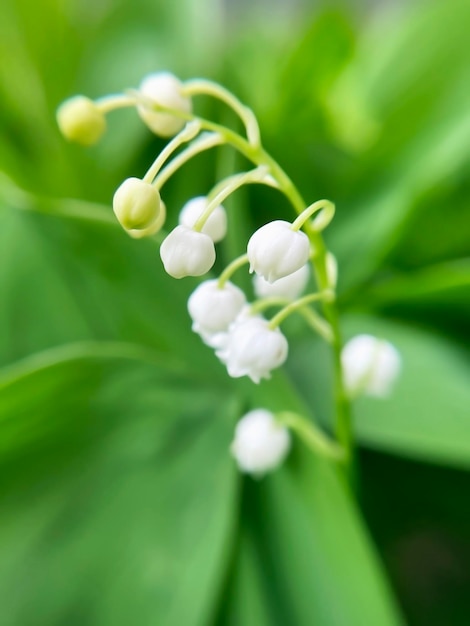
253, 349
136, 204
260, 443
370, 366
213, 308
80, 120
185, 252
275, 250
164, 89
216, 224
290, 287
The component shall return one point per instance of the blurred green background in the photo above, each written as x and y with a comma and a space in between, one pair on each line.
119, 501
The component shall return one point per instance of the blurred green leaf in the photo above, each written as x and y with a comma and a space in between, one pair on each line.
433, 282
307, 554
118, 496
418, 106
74, 279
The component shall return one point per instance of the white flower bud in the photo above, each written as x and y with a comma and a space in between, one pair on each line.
136, 204
290, 287
275, 250
164, 89
370, 365
185, 252
253, 349
213, 308
260, 444
215, 226
80, 120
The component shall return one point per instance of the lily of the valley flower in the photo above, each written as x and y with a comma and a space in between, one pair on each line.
260, 444
136, 204
253, 349
213, 308
290, 287
275, 250
370, 366
81, 120
185, 252
216, 224
165, 90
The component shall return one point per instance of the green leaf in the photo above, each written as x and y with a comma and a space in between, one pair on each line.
308, 554
64, 280
304, 547
118, 493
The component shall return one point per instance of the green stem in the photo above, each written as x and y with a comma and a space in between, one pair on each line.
188, 133
299, 304
207, 87
113, 102
312, 436
231, 269
315, 321
204, 142
327, 209
224, 190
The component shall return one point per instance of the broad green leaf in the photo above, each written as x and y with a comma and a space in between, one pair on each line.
307, 554
427, 415
118, 493
303, 544
247, 601
69, 280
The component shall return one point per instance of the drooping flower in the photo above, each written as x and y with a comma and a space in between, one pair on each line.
136, 204
370, 366
216, 224
260, 444
253, 349
185, 252
163, 89
290, 287
81, 120
213, 308
275, 250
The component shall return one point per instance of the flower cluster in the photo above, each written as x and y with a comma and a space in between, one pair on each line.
282, 255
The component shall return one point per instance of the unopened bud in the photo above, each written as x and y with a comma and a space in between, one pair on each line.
80, 120
163, 89
136, 204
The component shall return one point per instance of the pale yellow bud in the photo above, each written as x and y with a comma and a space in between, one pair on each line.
136, 204
80, 120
